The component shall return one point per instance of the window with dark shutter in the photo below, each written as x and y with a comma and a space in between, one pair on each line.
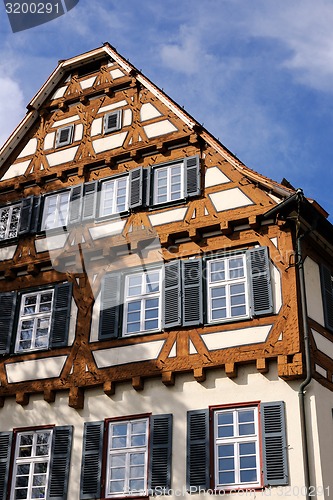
172, 294
198, 468
89, 200
35, 217
192, 292
260, 281
110, 307
75, 203
192, 177
61, 315
327, 293
5, 449
91, 465
60, 462
136, 187
7, 308
159, 475
274, 443
64, 136
25, 215
112, 121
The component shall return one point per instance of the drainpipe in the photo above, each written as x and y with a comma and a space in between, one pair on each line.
305, 383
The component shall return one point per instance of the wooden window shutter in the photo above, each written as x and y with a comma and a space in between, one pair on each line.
7, 308
61, 315
91, 464
135, 187
89, 200
147, 186
260, 281
172, 294
327, 293
5, 449
75, 204
60, 462
25, 215
109, 316
192, 292
160, 452
192, 176
197, 450
35, 217
274, 443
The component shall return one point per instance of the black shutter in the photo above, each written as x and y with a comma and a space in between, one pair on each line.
274, 443
75, 203
60, 462
192, 176
160, 452
61, 315
91, 464
109, 316
260, 281
89, 200
192, 292
25, 215
197, 450
135, 187
172, 294
147, 195
35, 217
7, 313
327, 292
5, 449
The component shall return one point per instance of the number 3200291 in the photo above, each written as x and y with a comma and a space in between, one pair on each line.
32, 8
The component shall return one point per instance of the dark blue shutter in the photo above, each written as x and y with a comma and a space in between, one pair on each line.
35, 216
5, 449
89, 200
327, 292
61, 315
192, 292
147, 195
25, 215
192, 176
260, 281
159, 475
109, 317
75, 204
91, 464
7, 314
172, 294
60, 462
197, 450
135, 187
274, 443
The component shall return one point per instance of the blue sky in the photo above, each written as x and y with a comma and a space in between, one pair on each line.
258, 74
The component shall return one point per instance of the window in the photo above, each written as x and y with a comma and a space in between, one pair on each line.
55, 212
327, 293
40, 463
43, 319
114, 196
9, 221
34, 321
112, 121
64, 136
235, 444
137, 457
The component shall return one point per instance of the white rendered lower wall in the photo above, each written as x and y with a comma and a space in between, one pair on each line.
186, 394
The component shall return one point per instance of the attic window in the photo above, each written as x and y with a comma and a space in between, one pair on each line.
112, 121
64, 136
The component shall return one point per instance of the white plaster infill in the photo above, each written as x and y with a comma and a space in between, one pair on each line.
60, 157
70, 119
111, 142
35, 369
51, 242
30, 148
234, 338
16, 170
148, 111
319, 369
128, 354
323, 344
229, 199
214, 177
159, 128
116, 73
89, 82
110, 107
7, 252
59, 93
166, 217
105, 230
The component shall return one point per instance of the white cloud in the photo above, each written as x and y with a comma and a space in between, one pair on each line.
11, 106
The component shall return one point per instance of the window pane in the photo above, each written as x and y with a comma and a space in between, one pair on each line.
247, 448
225, 418
246, 416
248, 476
226, 477
117, 486
21, 494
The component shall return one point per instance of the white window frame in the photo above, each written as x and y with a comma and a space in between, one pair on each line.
143, 297
227, 282
31, 460
34, 317
128, 450
168, 168
236, 440
9, 222
118, 113
114, 209
56, 221
69, 139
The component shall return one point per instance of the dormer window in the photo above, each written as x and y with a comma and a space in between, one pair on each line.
64, 136
112, 121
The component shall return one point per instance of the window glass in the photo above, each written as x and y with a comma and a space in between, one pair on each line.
169, 183
114, 196
9, 221
55, 213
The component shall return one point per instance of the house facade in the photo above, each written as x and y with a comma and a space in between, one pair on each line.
166, 313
